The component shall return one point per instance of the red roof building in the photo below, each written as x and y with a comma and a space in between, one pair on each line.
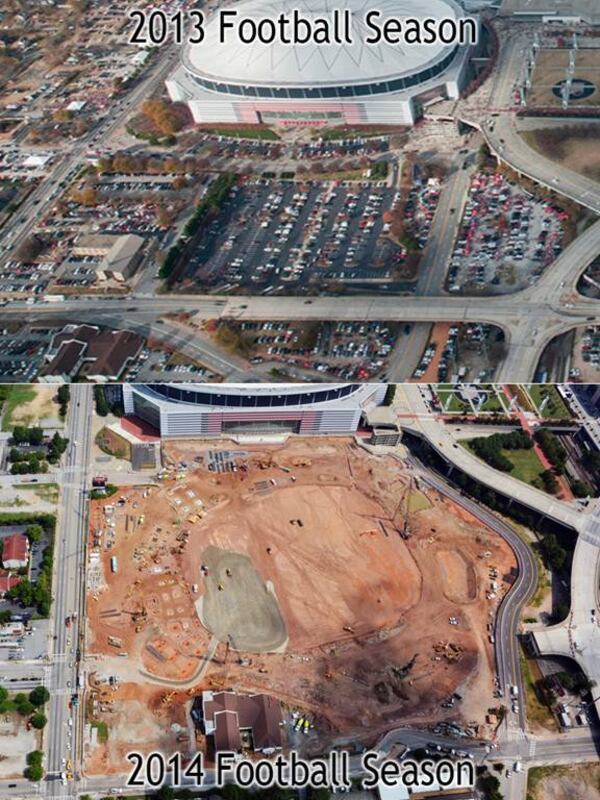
15, 551
7, 582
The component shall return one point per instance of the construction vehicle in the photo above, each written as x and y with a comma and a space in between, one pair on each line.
167, 699
301, 462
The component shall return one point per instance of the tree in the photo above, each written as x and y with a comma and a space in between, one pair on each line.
34, 532
5, 617
554, 554
33, 773
163, 116
232, 792
36, 436
39, 721
20, 435
57, 447
30, 249
551, 485
23, 705
489, 785
165, 793
34, 770
581, 488
63, 396
23, 592
39, 696
553, 449
102, 407
179, 183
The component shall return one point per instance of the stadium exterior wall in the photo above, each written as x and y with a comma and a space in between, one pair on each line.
393, 108
300, 412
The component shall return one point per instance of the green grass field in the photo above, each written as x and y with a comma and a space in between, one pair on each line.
554, 407
344, 132
492, 404
526, 465
447, 395
418, 502
453, 404
17, 395
102, 731
244, 133
45, 491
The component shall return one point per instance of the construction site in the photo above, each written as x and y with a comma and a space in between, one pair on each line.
313, 571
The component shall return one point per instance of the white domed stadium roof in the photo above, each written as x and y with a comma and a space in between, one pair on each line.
279, 64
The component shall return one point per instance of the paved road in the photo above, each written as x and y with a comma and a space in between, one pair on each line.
422, 422
444, 230
502, 136
530, 319
529, 324
509, 612
43, 197
578, 636
69, 578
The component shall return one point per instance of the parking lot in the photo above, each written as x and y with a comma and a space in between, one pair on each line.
506, 240
280, 236
457, 352
26, 642
346, 350
159, 363
586, 355
138, 206
22, 352
227, 147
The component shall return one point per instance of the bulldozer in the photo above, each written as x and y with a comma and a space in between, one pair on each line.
302, 462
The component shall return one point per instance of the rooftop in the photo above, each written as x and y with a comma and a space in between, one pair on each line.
230, 712
588, 10
314, 65
103, 352
15, 548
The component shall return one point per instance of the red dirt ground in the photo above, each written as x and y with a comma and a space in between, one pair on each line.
367, 611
